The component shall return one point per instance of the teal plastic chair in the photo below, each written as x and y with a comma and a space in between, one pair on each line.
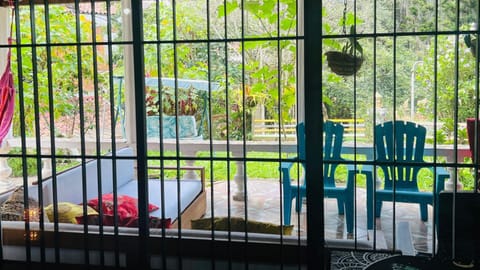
332, 156
400, 154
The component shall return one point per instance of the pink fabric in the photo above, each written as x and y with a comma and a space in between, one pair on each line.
7, 99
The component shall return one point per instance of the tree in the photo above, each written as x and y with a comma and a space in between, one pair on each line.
53, 70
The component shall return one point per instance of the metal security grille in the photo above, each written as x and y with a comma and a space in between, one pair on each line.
227, 134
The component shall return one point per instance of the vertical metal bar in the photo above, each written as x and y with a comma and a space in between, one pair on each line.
313, 127
374, 176
139, 75
20, 91
244, 126
455, 120
97, 121
208, 102
78, 45
227, 127
37, 120
112, 127
355, 129
456, 87
394, 156
163, 246
177, 130
476, 142
435, 106
52, 122
300, 102
280, 118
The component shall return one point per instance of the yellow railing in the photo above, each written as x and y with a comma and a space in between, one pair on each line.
269, 128
352, 126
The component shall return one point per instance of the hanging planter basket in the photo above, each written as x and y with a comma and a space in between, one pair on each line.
342, 63
471, 41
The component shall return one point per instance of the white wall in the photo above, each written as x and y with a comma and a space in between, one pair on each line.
5, 14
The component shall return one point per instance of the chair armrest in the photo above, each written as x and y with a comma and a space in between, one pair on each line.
367, 168
287, 165
442, 174
352, 170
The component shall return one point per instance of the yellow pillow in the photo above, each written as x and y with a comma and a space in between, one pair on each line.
68, 212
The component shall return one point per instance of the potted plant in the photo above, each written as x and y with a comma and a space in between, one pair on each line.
349, 60
182, 112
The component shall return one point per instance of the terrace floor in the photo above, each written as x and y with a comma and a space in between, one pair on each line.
263, 204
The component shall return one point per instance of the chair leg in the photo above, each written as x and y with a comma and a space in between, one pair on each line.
378, 208
424, 211
341, 206
299, 202
287, 209
370, 214
349, 210
370, 203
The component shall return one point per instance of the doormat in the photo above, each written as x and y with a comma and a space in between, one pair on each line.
355, 260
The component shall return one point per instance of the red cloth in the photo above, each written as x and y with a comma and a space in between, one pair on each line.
127, 209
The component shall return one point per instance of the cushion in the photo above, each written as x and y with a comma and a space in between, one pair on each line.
153, 222
238, 225
168, 195
69, 212
127, 209
13, 208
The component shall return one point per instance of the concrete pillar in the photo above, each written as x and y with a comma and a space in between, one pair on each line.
130, 123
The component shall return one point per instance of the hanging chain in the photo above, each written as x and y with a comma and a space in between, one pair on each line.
344, 29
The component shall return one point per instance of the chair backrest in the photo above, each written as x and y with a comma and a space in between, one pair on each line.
332, 148
399, 143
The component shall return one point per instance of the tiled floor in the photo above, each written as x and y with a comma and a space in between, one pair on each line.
263, 204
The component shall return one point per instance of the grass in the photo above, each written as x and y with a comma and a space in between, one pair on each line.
261, 167
221, 170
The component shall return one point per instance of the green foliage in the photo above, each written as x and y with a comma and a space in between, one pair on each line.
452, 100
352, 45
268, 82
16, 163
466, 176
52, 70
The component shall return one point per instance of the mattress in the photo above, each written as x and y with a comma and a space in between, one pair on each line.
167, 199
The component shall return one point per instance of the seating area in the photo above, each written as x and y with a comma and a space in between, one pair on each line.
164, 200
332, 155
398, 144
400, 149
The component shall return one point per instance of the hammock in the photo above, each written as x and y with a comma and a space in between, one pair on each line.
7, 95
